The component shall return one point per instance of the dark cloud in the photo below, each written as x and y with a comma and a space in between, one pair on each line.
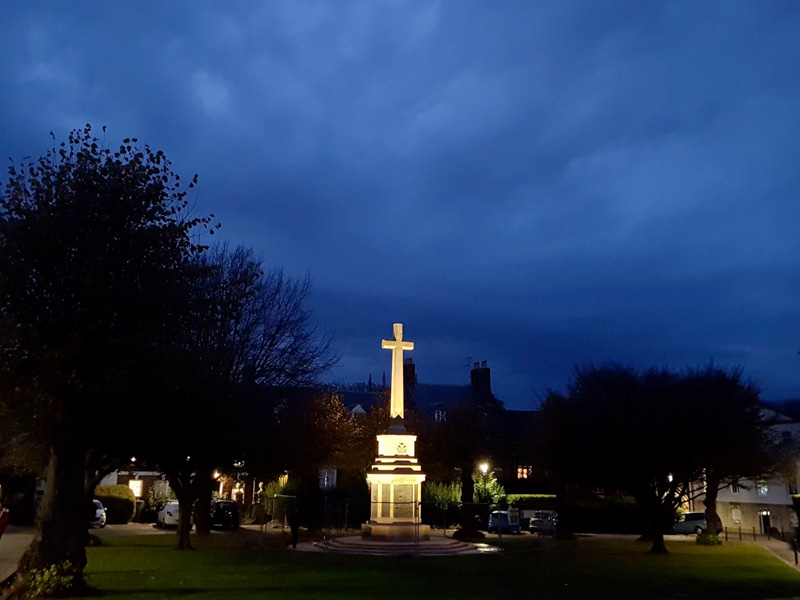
532, 184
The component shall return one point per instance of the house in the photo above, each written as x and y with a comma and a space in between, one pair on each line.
764, 504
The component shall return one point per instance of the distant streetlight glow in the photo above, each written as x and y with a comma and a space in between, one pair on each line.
484, 467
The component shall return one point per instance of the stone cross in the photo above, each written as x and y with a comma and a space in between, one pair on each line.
397, 345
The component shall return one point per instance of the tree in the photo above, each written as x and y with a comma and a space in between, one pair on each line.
97, 246
621, 430
245, 327
735, 442
635, 437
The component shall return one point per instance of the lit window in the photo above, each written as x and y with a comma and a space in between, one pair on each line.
136, 487
524, 471
735, 487
762, 488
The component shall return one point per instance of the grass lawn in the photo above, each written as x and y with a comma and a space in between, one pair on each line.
249, 565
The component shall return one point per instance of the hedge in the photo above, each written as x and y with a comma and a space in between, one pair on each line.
119, 501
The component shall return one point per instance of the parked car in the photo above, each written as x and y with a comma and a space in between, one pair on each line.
225, 514
98, 517
691, 522
544, 522
170, 514
500, 521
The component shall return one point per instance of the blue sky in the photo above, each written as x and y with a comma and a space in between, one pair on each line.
535, 184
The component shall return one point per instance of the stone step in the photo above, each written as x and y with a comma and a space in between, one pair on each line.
433, 547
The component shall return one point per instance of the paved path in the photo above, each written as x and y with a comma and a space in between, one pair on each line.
12, 545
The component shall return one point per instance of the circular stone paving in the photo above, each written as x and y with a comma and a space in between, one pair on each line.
437, 546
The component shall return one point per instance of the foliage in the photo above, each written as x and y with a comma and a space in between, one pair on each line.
487, 489
441, 493
636, 438
97, 245
545, 500
53, 580
247, 328
119, 501
708, 539
275, 488
157, 498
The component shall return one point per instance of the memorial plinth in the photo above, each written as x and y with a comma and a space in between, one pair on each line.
395, 484
395, 480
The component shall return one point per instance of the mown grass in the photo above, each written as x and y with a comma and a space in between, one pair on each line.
248, 565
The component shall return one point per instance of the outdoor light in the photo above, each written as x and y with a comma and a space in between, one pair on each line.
484, 467
669, 477
216, 474
133, 459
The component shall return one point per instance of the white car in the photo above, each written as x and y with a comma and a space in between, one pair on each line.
99, 515
170, 514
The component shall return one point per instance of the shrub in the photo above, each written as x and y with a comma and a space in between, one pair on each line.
119, 502
708, 540
533, 501
52, 580
441, 493
157, 498
487, 489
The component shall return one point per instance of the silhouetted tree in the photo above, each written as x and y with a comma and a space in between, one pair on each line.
245, 327
735, 442
657, 435
96, 248
623, 430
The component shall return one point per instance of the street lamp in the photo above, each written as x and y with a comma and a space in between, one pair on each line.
484, 467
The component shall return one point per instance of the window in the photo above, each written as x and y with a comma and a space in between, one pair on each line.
736, 515
762, 487
136, 487
791, 486
524, 471
327, 479
735, 487
440, 416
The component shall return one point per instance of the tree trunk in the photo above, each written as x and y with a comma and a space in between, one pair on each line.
713, 522
658, 523
202, 513
61, 523
181, 484
184, 518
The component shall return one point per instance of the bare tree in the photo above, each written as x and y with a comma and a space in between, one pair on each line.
245, 327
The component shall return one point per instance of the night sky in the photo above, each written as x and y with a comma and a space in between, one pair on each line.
534, 184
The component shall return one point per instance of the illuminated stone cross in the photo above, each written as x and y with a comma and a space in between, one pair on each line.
397, 345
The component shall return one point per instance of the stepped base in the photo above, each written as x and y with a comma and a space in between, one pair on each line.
437, 546
396, 532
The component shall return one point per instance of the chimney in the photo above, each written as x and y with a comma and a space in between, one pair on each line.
409, 373
481, 380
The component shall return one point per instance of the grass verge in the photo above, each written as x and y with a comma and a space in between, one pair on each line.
248, 565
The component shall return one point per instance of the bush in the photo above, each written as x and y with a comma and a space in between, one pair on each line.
487, 489
119, 501
442, 494
52, 580
533, 501
708, 540
157, 498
